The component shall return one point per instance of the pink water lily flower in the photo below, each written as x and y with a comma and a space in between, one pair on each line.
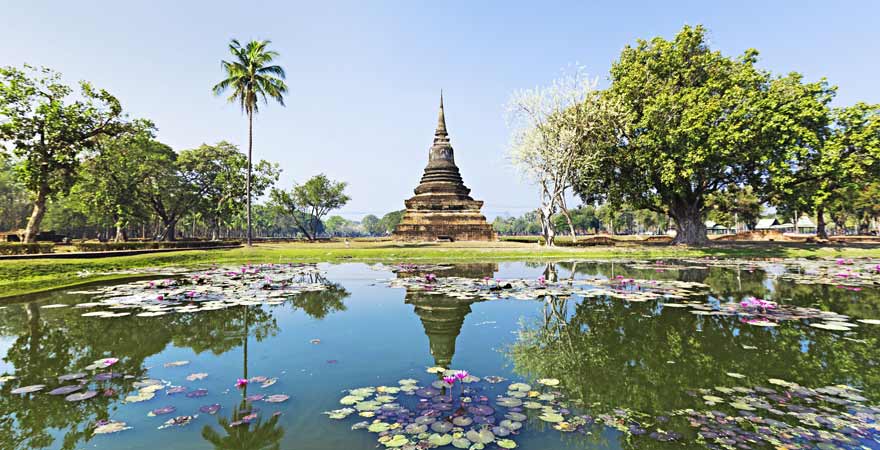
110, 361
241, 383
160, 297
461, 374
449, 379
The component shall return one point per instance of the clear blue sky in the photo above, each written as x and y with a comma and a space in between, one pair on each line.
364, 77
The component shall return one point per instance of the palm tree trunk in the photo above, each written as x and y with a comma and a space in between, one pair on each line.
248, 184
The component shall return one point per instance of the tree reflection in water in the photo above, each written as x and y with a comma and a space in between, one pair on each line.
49, 343
238, 434
616, 354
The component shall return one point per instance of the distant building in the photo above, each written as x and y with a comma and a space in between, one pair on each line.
717, 228
805, 226
766, 224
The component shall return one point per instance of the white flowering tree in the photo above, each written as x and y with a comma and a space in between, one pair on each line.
558, 133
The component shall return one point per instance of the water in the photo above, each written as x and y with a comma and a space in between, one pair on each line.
609, 355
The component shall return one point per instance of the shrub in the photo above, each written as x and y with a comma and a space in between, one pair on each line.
18, 248
111, 246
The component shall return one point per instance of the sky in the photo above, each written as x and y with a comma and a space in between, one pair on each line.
365, 77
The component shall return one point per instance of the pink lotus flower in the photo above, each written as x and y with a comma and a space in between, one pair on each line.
160, 297
241, 383
542, 280
449, 379
461, 374
191, 294
110, 361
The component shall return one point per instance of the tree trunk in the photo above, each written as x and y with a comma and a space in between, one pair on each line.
120, 233
545, 214
248, 183
169, 235
820, 222
689, 224
570, 223
33, 225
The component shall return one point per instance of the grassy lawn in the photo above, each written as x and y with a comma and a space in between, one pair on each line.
25, 276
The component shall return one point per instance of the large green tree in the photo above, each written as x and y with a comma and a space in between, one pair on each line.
700, 122
251, 76
224, 170
48, 130
13, 196
112, 173
849, 156
307, 203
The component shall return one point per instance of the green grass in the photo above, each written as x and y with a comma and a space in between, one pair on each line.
19, 277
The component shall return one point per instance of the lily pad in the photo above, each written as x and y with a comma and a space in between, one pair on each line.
506, 443
210, 409
551, 417
439, 440
196, 376
398, 440
378, 427
163, 410
178, 421
549, 381
28, 389
64, 390
79, 396
112, 426
277, 398
482, 436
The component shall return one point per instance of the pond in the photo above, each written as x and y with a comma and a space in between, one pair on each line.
570, 355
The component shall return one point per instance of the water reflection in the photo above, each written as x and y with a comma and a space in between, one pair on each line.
442, 316
47, 343
611, 353
239, 432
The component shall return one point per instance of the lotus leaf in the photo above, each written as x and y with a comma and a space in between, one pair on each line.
351, 399
362, 392
482, 436
742, 406
110, 427
369, 405
512, 424
28, 389
416, 428
276, 398
441, 426
398, 440
509, 402
460, 442
551, 417
339, 414
439, 440
462, 421
378, 427
79, 396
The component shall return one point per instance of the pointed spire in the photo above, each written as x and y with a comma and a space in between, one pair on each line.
440, 135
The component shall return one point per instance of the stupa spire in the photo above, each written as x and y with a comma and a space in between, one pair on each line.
441, 136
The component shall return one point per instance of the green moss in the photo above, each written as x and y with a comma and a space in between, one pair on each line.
33, 275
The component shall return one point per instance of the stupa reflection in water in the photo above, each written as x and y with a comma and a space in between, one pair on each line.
442, 316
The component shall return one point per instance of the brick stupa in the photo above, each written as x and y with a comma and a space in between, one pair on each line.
442, 209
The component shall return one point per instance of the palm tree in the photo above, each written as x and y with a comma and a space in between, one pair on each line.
251, 77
